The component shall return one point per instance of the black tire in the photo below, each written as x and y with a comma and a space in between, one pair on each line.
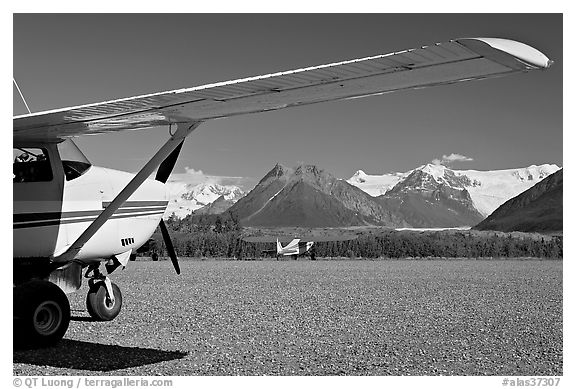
98, 304
41, 314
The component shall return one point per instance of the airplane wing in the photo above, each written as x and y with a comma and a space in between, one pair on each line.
269, 251
437, 64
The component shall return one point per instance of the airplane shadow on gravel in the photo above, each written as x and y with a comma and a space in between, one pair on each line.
82, 318
74, 354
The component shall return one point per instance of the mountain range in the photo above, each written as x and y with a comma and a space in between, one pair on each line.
428, 196
487, 189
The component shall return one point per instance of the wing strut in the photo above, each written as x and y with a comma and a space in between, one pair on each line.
184, 129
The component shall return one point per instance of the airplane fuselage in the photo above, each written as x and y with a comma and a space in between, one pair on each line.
58, 196
49, 215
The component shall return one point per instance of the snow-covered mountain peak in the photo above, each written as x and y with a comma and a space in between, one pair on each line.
186, 198
436, 171
359, 176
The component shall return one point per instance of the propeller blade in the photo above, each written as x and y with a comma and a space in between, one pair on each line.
169, 246
166, 167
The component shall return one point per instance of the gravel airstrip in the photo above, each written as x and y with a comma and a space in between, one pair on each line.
407, 317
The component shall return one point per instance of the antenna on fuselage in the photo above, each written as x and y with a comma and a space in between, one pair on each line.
21, 95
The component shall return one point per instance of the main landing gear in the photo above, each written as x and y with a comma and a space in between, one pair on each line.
42, 309
41, 313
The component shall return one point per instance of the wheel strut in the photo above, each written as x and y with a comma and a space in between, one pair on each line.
104, 299
95, 275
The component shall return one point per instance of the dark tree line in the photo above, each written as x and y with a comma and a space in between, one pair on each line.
223, 223
219, 236
395, 244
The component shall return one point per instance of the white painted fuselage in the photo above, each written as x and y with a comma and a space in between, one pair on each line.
46, 224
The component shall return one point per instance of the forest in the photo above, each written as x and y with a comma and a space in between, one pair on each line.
220, 236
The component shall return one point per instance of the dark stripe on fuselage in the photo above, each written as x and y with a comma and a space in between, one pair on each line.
138, 204
128, 209
26, 217
45, 216
133, 213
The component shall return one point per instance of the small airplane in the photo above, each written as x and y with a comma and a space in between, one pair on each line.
69, 216
294, 248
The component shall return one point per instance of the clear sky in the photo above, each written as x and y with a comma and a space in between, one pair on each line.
65, 60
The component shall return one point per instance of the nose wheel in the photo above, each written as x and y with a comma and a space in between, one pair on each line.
104, 299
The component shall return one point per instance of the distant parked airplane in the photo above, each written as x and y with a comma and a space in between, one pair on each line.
71, 216
299, 246
294, 248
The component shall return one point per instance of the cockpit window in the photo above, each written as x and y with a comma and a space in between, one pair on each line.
73, 161
31, 165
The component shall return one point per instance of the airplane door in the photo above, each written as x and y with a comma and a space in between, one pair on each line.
38, 184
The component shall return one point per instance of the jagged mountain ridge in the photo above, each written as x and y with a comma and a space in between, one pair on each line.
538, 209
220, 205
187, 198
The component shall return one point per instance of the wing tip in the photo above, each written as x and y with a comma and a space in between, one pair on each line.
519, 50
